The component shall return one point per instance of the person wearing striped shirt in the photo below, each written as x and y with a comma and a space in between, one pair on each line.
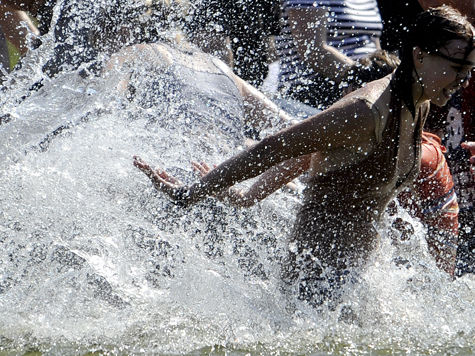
319, 41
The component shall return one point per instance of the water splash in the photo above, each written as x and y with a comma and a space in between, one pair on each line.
93, 259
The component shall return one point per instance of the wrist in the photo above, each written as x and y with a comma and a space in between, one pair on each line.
181, 196
186, 196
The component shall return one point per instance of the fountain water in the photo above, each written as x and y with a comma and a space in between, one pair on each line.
94, 259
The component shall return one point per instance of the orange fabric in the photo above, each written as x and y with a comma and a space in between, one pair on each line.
435, 202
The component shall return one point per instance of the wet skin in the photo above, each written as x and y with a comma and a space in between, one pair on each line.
440, 77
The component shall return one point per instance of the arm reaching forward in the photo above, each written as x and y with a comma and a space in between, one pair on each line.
345, 124
269, 182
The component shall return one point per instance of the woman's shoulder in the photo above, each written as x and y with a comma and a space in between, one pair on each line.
376, 95
371, 102
373, 91
373, 94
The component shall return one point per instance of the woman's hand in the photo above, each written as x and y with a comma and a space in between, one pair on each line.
232, 195
164, 182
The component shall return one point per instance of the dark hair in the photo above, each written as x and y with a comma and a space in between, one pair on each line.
372, 67
431, 30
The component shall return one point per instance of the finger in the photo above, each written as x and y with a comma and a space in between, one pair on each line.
166, 177
162, 183
199, 170
141, 164
138, 161
144, 167
208, 168
199, 167
205, 166
196, 166
158, 176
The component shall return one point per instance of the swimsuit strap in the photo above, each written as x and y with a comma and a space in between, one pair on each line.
396, 110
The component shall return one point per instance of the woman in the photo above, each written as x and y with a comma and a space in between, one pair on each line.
364, 149
454, 123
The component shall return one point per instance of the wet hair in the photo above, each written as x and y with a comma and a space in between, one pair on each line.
431, 31
365, 69
372, 67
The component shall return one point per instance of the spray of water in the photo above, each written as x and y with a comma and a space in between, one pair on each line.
92, 258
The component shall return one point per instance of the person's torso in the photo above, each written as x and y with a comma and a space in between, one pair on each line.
366, 181
435, 187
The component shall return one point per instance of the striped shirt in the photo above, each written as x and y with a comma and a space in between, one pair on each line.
352, 28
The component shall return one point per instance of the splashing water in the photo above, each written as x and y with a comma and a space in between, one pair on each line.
94, 259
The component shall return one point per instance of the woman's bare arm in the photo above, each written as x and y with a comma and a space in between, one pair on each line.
309, 31
275, 178
17, 26
348, 122
268, 182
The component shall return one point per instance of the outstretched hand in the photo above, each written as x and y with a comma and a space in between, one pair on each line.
162, 180
232, 195
471, 147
